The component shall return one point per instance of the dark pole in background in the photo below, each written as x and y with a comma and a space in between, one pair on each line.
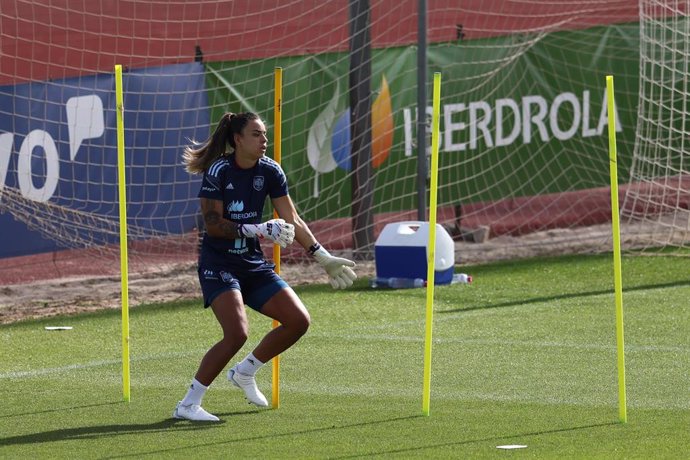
360, 130
421, 111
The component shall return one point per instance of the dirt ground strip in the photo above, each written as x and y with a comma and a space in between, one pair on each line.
81, 294
44, 298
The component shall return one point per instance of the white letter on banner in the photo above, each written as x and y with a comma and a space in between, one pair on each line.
429, 130
450, 127
586, 130
38, 138
84, 120
480, 123
500, 140
5, 151
407, 125
553, 116
537, 119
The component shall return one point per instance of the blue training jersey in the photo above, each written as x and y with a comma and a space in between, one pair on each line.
243, 193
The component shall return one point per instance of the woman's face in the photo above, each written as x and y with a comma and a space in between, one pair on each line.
252, 142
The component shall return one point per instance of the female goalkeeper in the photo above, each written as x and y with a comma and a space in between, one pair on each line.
232, 268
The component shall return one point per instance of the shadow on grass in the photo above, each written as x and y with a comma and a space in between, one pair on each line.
94, 432
574, 295
60, 409
419, 449
271, 436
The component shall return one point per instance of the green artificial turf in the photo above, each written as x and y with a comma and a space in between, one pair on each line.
524, 355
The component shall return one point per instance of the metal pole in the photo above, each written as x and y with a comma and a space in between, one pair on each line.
360, 130
421, 111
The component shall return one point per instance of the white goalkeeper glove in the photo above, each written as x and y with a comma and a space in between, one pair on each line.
339, 272
276, 230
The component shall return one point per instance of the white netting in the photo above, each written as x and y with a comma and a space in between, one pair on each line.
660, 177
524, 131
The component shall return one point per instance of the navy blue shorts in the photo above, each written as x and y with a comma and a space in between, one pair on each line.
257, 286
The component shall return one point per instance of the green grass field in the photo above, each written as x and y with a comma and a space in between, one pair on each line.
525, 355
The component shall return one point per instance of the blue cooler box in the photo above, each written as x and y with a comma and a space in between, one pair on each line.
400, 251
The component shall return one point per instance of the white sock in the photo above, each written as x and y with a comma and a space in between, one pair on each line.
195, 393
249, 365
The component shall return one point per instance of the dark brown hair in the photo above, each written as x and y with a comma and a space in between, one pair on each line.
198, 157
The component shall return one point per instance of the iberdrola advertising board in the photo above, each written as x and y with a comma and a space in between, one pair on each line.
531, 114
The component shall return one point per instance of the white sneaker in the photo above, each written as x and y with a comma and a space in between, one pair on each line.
248, 384
193, 412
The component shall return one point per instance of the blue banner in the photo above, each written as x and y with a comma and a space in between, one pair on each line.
58, 146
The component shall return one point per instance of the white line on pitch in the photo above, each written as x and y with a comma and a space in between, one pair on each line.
88, 365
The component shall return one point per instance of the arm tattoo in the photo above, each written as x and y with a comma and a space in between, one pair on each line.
212, 218
227, 228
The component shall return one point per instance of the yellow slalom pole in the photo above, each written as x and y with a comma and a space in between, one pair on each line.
431, 247
277, 139
617, 272
124, 271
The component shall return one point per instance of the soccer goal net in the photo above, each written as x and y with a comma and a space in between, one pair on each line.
659, 185
523, 148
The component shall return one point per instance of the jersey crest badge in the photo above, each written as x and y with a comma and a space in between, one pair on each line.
258, 183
